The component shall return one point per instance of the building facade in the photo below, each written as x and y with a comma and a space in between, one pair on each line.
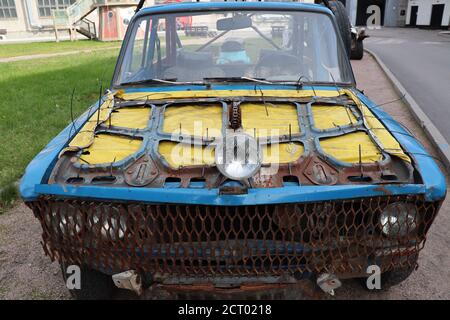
429, 13
389, 13
399, 13
29, 19
32, 20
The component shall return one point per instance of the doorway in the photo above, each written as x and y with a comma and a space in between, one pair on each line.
413, 17
437, 14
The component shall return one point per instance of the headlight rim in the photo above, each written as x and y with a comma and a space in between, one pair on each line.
400, 227
253, 145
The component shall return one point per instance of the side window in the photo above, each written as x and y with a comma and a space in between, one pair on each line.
140, 47
145, 53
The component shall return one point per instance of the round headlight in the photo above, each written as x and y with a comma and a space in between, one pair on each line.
399, 219
111, 227
238, 156
67, 222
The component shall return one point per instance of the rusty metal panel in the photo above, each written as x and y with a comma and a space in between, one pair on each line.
339, 237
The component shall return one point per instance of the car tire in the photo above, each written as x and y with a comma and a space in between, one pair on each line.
94, 284
343, 22
358, 52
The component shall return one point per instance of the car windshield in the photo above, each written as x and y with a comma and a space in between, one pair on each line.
225, 46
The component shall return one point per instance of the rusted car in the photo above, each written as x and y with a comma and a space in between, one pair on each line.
234, 163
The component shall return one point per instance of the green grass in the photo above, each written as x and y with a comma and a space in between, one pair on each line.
35, 104
23, 49
8, 194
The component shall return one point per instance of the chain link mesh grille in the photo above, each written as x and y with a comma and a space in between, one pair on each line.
339, 237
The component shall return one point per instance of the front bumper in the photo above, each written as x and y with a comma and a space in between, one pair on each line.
166, 241
301, 289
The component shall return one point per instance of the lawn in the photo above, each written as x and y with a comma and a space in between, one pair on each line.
35, 103
23, 49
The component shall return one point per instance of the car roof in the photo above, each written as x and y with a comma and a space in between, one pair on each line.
232, 5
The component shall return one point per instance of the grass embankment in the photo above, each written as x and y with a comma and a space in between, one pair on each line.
35, 106
25, 49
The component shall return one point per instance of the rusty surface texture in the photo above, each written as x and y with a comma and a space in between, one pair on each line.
339, 237
302, 289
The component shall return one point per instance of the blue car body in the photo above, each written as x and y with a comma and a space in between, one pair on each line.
68, 212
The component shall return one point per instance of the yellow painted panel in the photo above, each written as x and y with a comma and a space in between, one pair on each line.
194, 120
85, 136
282, 152
388, 142
273, 122
386, 139
134, 118
179, 155
225, 94
329, 117
108, 148
346, 148
182, 155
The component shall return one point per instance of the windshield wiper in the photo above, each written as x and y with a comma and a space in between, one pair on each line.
172, 81
238, 79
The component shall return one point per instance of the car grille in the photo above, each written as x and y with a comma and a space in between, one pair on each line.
340, 237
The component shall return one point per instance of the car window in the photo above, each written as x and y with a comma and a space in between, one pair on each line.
276, 46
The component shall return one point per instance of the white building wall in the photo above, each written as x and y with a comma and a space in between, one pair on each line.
424, 11
28, 27
393, 13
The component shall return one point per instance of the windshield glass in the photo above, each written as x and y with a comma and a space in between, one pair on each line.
273, 46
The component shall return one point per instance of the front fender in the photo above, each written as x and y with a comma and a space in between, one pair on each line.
432, 176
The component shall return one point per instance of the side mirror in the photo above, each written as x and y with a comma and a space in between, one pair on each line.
234, 23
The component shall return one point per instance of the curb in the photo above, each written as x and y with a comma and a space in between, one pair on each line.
436, 138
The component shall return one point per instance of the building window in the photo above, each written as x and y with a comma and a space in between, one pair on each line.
46, 6
7, 9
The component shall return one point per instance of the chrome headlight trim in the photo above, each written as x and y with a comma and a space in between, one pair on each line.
238, 156
399, 219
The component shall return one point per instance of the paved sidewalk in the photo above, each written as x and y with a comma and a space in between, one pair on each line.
51, 55
420, 59
25, 272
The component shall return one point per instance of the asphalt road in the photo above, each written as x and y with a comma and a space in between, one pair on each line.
420, 59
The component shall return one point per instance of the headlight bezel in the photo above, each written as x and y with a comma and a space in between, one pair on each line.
230, 147
399, 220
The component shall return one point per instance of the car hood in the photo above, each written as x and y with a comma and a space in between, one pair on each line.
329, 137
